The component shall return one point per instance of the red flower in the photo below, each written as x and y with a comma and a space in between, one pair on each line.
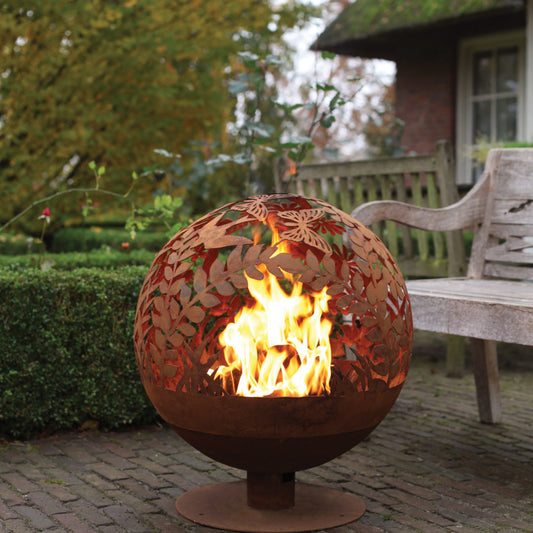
125, 245
45, 215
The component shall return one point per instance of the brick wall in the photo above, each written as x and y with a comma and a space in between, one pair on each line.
425, 95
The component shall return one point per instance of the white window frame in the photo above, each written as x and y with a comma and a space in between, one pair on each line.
467, 49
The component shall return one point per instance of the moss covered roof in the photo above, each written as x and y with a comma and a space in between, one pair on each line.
367, 18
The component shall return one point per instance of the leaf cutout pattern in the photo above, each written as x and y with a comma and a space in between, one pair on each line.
194, 314
216, 272
234, 262
225, 288
200, 280
176, 340
209, 300
187, 329
196, 285
253, 273
174, 309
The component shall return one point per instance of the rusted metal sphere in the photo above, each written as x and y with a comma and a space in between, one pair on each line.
195, 287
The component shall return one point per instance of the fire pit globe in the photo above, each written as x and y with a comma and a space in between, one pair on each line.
196, 290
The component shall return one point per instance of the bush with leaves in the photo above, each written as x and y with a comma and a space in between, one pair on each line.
18, 243
93, 238
107, 259
66, 351
265, 131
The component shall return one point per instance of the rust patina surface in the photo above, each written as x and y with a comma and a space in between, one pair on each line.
195, 287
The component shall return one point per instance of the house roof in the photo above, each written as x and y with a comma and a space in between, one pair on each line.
366, 23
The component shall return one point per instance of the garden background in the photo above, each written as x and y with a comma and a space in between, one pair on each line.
120, 122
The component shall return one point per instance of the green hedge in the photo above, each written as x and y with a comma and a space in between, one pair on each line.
66, 351
17, 244
85, 239
106, 259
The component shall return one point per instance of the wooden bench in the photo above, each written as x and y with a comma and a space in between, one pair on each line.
494, 302
425, 180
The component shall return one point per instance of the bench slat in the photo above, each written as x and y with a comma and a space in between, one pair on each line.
422, 236
497, 270
406, 232
506, 254
498, 310
504, 231
513, 211
423, 163
433, 202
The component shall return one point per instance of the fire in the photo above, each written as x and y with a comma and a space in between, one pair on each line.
279, 346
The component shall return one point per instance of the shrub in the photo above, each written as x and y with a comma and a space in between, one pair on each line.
66, 350
86, 239
106, 259
16, 244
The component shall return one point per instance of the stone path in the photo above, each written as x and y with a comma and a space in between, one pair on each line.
430, 467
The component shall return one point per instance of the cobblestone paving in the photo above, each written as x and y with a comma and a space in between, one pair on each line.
430, 467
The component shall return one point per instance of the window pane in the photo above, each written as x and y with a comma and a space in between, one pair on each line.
506, 111
507, 69
482, 72
481, 121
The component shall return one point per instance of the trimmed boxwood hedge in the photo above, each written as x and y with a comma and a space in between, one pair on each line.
18, 244
84, 239
66, 351
107, 259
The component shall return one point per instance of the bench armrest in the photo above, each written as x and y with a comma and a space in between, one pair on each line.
467, 212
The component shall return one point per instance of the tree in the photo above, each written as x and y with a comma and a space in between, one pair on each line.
363, 85
110, 81
383, 130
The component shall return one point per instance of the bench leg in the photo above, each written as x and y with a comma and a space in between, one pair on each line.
485, 363
455, 356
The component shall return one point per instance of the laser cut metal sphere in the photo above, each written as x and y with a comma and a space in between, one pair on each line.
195, 287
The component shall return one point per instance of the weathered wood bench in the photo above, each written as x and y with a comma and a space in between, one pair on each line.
494, 302
424, 180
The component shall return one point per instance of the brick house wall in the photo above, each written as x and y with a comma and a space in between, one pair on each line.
425, 95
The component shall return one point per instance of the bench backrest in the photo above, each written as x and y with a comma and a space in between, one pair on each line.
503, 244
426, 180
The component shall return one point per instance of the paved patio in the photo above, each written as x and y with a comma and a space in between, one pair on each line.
430, 467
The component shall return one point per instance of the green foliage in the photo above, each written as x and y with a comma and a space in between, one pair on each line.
85, 239
107, 258
16, 244
480, 150
383, 130
108, 81
265, 130
202, 182
66, 351
165, 209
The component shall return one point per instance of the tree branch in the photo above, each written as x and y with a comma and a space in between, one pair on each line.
63, 193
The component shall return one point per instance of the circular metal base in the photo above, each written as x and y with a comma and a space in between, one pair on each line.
224, 506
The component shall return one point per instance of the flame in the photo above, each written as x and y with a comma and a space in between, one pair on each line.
279, 346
